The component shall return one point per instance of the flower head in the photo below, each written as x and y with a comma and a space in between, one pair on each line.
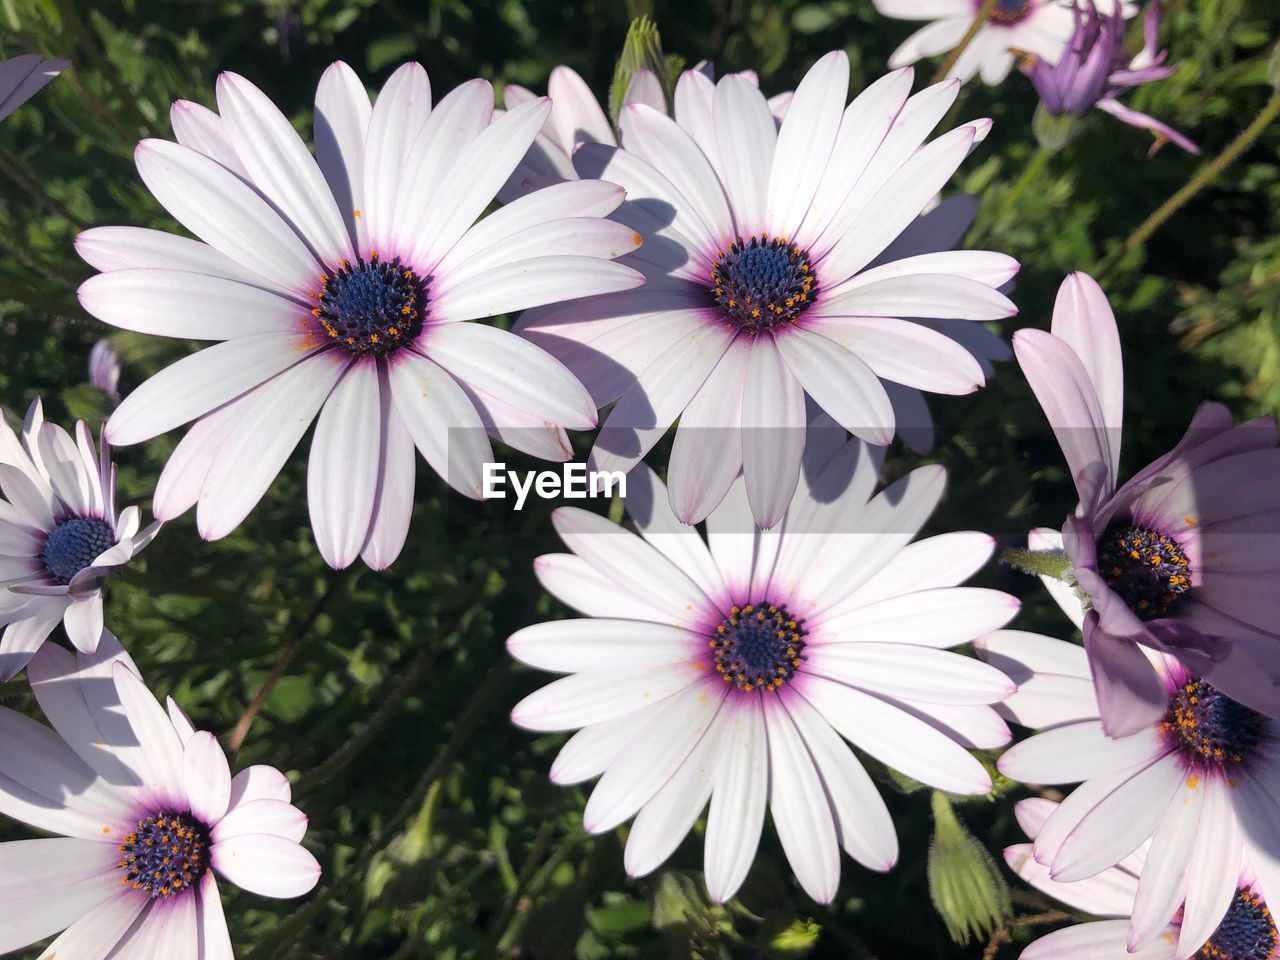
23, 77
777, 269
340, 286
1172, 814
61, 536
146, 810
1094, 69
1170, 559
1039, 27
728, 670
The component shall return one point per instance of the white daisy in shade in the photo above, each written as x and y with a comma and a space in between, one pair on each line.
23, 77
733, 670
1247, 930
1039, 27
759, 245
1201, 788
339, 286
147, 811
61, 536
577, 117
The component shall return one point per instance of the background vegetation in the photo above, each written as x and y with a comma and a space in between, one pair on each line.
438, 830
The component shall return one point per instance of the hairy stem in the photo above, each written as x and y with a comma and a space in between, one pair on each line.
979, 22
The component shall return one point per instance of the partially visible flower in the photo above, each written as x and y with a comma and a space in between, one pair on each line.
23, 77
60, 536
577, 117
1247, 931
146, 811
768, 281
1039, 27
1196, 790
729, 670
104, 369
1177, 559
340, 287
1095, 69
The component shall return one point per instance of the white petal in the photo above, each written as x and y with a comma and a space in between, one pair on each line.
49, 884
341, 122
225, 212
343, 468
95, 935
945, 617
575, 582
393, 505
905, 743
442, 421
839, 383
1079, 751
174, 303
275, 817
282, 167
155, 733
738, 800
805, 142
773, 432
1096, 941
586, 698
652, 757
941, 561
746, 136
907, 353
907, 672
398, 114
1121, 822
207, 778
1163, 885
211, 922
1214, 867
798, 803
259, 783
200, 382
603, 646
261, 443
269, 866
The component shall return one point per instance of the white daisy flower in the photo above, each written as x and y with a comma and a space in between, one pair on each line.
339, 286
61, 536
146, 811
1247, 930
729, 670
1039, 27
759, 250
1201, 787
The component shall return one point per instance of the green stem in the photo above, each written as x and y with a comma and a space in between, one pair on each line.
1029, 173
978, 23
108, 69
241, 729
1193, 186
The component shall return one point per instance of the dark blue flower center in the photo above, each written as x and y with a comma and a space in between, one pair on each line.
1247, 932
1010, 11
166, 855
1148, 570
372, 306
1212, 732
758, 646
73, 545
758, 284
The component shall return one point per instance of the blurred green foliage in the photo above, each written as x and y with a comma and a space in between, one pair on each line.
438, 829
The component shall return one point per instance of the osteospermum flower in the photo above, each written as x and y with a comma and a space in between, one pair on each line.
104, 369
23, 77
1171, 559
146, 811
758, 252
1095, 68
729, 670
1247, 930
340, 285
577, 117
1038, 27
61, 536
1197, 789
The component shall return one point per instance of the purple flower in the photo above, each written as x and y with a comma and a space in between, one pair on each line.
104, 369
1177, 559
23, 77
1095, 69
